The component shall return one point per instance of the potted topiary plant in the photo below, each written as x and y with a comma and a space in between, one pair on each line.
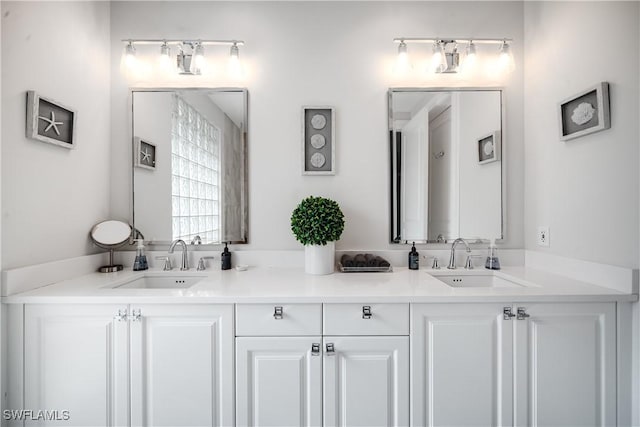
317, 223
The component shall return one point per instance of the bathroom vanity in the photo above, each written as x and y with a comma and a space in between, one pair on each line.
273, 346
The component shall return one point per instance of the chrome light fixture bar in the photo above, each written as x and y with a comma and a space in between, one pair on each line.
446, 58
190, 56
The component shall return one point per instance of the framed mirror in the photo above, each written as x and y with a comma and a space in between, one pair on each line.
190, 164
446, 162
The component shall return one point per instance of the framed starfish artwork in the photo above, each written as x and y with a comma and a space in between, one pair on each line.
145, 153
49, 121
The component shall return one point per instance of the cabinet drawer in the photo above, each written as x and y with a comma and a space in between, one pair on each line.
278, 319
366, 319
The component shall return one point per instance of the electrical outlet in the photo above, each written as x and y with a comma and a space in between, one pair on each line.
543, 235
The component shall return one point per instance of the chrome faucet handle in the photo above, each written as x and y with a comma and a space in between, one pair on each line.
436, 262
167, 263
201, 265
469, 262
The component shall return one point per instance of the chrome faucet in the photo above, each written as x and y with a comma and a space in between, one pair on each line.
185, 258
452, 258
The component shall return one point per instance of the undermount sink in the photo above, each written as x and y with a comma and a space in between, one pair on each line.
473, 279
161, 282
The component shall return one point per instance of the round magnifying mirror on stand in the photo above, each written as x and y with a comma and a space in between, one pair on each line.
110, 235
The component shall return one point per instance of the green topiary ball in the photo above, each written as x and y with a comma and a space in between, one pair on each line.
317, 221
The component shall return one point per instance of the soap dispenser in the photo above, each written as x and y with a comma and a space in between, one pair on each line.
414, 258
492, 263
226, 258
140, 262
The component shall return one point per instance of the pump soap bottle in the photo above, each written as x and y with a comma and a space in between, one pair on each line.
140, 262
414, 258
226, 258
492, 263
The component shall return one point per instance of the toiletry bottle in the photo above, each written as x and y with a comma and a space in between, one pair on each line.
226, 258
492, 263
141, 259
414, 258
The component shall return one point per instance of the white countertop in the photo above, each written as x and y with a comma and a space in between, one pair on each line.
292, 285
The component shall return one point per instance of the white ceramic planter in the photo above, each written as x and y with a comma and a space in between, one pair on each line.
319, 259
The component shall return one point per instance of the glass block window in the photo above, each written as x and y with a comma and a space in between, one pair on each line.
195, 165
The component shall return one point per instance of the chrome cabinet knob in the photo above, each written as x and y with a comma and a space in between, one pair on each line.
330, 349
315, 349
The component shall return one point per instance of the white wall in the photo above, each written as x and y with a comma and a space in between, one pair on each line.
152, 112
51, 196
318, 53
479, 115
586, 190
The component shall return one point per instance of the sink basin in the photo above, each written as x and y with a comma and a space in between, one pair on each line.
471, 279
161, 282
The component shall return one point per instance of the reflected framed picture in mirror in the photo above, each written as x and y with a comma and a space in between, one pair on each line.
145, 154
489, 148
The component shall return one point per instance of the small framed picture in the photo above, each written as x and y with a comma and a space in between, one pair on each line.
145, 154
49, 121
489, 148
585, 113
318, 141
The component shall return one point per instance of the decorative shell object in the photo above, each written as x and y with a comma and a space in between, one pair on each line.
583, 113
317, 141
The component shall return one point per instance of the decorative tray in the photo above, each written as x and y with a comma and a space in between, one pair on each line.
364, 269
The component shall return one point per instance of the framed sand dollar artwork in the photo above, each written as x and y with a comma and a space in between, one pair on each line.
585, 113
489, 148
318, 140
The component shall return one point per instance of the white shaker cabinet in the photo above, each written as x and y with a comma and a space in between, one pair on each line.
279, 381
461, 366
143, 365
75, 359
366, 381
565, 365
182, 365
543, 365
356, 374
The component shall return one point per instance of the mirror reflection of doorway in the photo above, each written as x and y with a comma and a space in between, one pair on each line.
442, 215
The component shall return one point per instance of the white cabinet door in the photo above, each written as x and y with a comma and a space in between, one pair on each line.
278, 381
566, 365
366, 381
182, 365
461, 366
76, 361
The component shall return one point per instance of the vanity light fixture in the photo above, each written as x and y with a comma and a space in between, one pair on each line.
403, 65
190, 59
130, 55
445, 57
235, 66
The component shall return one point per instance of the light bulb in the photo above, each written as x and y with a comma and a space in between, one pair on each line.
197, 62
470, 57
505, 60
130, 56
403, 65
439, 58
235, 66
165, 57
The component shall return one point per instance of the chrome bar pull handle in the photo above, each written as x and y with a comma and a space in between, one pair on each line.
121, 316
331, 351
507, 314
315, 349
135, 315
366, 312
277, 313
522, 313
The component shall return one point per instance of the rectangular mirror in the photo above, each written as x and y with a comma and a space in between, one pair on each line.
446, 167
190, 164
